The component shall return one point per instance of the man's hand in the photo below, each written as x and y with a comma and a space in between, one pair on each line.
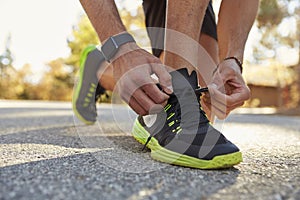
133, 67
227, 91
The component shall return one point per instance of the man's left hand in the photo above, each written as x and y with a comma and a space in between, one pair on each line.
227, 91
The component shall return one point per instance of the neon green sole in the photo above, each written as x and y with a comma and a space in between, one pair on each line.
76, 91
164, 155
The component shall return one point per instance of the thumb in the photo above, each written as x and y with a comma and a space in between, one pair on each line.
165, 79
218, 82
212, 88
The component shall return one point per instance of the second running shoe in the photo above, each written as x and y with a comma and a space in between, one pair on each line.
88, 90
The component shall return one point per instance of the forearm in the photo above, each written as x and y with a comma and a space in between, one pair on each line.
236, 18
104, 16
183, 25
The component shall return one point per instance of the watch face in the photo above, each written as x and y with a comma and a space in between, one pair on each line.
109, 49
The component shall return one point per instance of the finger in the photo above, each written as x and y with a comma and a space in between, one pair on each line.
154, 93
135, 105
220, 98
165, 79
217, 99
130, 92
235, 106
146, 103
206, 98
216, 112
138, 91
231, 108
241, 96
147, 84
225, 108
218, 81
141, 103
143, 99
221, 114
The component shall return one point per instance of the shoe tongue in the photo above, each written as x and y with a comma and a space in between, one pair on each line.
181, 79
184, 86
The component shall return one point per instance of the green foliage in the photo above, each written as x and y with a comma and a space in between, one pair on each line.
270, 13
9, 85
82, 35
57, 82
13, 84
6, 60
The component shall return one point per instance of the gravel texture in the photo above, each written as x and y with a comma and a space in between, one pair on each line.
45, 153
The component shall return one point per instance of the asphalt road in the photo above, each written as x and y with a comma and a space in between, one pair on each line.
45, 153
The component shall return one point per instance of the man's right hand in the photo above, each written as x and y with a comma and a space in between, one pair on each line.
133, 67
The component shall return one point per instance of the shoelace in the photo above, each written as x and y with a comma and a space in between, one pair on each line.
176, 114
97, 97
99, 92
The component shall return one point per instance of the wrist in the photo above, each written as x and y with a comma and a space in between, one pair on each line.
124, 49
236, 60
113, 44
231, 59
113, 35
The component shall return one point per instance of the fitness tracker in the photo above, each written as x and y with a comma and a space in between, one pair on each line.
111, 46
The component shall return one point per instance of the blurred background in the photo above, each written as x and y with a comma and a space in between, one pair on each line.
41, 42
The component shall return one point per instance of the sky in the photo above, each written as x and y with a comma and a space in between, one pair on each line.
40, 28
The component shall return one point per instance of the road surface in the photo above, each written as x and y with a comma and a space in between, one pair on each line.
45, 153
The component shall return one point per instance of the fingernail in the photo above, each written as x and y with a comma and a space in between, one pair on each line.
213, 85
169, 89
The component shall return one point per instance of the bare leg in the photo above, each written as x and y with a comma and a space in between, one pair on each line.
178, 13
184, 17
208, 43
208, 65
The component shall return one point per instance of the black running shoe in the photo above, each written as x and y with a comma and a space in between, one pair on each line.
88, 90
182, 134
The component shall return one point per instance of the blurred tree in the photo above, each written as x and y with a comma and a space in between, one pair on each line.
14, 84
275, 22
271, 17
135, 24
6, 71
6, 59
83, 34
56, 83
22, 88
